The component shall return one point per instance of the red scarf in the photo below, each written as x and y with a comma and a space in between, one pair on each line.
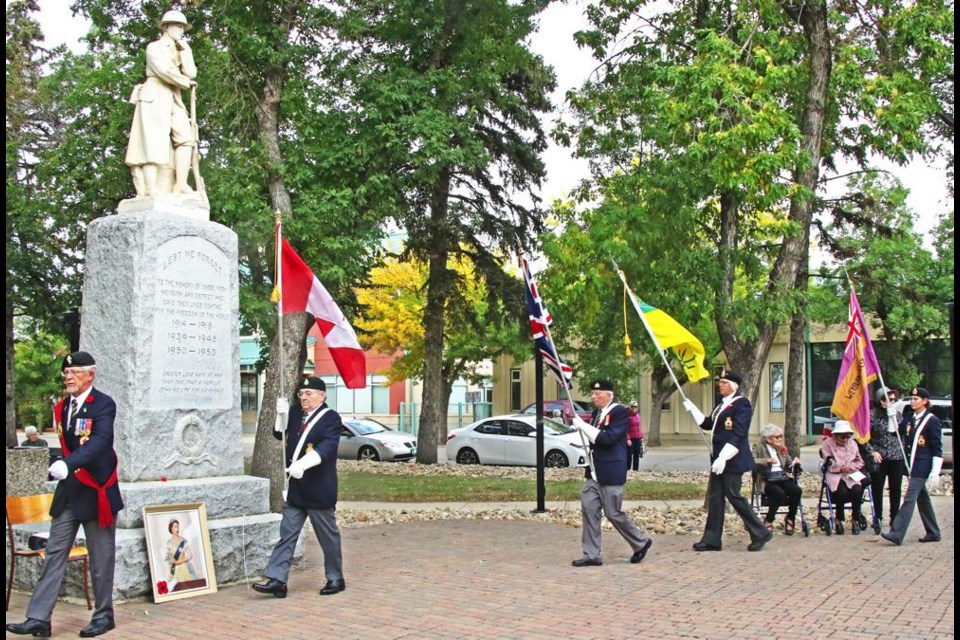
104, 513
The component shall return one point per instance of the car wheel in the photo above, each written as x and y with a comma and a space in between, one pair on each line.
368, 453
555, 459
467, 456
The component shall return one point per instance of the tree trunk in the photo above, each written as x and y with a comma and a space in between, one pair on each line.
11, 403
433, 416
796, 370
658, 395
267, 460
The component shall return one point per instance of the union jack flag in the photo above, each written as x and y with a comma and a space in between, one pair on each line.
540, 319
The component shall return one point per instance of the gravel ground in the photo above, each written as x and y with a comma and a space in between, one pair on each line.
664, 517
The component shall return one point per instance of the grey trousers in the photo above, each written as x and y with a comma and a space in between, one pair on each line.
594, 498
918, 497
726, 488
101, 547
324, 523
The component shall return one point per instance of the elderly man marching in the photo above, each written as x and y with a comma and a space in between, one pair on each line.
313, 435
731, 458
608, 438
923, 435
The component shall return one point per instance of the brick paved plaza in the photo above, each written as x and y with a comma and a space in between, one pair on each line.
513, 579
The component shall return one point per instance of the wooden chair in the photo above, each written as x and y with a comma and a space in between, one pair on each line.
36, 508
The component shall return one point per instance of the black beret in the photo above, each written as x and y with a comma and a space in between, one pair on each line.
313, 382
920, 392
78, 359
601, 385
731, 376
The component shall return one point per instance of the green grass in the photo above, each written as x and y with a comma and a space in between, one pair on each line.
398, 488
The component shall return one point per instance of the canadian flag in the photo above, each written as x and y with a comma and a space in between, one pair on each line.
300, 290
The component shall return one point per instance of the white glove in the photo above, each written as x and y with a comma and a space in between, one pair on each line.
725, 454
309, 460
694, 412
892, 411
59, 470
295, 470
933, 481
588, 430
283, 407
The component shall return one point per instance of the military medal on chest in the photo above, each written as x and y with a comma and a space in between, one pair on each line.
728, 424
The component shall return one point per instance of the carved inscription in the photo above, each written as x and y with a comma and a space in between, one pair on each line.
191, 327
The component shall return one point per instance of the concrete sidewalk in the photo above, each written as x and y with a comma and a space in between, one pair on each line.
512, 579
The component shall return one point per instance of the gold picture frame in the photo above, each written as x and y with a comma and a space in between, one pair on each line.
181, 561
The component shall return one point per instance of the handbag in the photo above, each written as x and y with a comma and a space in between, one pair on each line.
777, 476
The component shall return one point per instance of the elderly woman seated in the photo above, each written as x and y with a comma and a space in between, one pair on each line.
843, 473
773, 466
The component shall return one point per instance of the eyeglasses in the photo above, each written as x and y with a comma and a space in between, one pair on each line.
780, 437
892, 398
842, 435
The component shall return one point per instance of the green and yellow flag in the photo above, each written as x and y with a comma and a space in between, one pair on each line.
667, 333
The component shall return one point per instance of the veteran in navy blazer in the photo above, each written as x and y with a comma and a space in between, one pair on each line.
312, 435
730, 458
87, 493
922, 433
604, 492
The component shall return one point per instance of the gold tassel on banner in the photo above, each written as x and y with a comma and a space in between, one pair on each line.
275, 295
626, 336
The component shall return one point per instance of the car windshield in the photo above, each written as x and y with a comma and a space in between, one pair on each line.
554, 428
366, 427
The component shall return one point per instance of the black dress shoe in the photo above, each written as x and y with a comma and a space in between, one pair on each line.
332, 587
930, 538
30, 626
272, 586
757, 544
889, 537
97, 628
703, 546
855, 528
838, 529
638, 556
587, 562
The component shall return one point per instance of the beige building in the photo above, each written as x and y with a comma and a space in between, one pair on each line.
514, 388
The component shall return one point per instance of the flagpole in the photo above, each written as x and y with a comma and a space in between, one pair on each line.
566, 387
583, 438
643, 319
278, 219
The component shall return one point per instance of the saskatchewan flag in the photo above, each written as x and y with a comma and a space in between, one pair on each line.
667, 333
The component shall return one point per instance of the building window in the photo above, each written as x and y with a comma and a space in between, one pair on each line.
248, 392
776, 386
515, 390
374, 398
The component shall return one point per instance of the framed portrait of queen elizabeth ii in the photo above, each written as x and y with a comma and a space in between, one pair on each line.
178, 546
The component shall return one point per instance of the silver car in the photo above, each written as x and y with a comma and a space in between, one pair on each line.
512, 440
367, 439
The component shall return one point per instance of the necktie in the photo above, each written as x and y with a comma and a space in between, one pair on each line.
73, 409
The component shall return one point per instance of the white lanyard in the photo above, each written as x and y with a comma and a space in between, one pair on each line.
916, 434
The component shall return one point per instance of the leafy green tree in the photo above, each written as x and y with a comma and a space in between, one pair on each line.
718, 118
392, 321
39, 355
450, 97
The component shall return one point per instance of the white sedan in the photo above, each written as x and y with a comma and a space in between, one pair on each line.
367, 439
512, 440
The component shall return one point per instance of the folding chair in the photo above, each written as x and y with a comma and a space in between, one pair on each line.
36, 508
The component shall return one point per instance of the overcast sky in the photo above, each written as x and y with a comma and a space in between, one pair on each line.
554, 41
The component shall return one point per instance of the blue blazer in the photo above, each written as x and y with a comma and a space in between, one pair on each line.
929, 442
732, 427
95, 454
610, 452
318, 487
